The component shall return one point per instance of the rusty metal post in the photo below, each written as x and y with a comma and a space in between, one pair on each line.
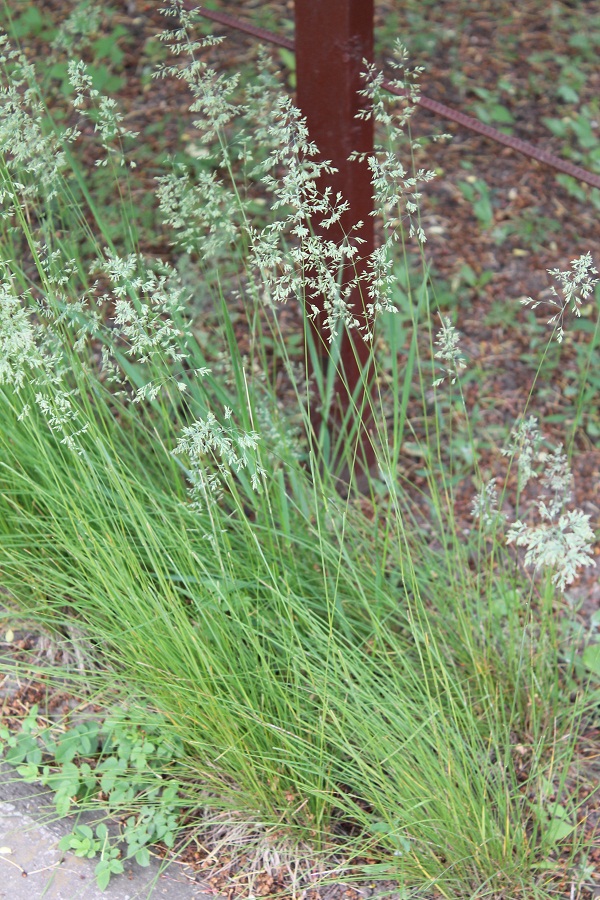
333, 37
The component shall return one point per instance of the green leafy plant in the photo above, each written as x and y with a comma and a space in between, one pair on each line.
530, 228
491, 109
582, 144
116, 762
476, 191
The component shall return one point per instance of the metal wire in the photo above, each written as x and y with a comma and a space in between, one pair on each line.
231, 22
434, 106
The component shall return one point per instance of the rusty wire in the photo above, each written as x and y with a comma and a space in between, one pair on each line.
434, 106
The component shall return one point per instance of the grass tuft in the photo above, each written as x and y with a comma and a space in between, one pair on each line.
354, 680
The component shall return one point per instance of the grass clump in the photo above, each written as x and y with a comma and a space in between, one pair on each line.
357, 680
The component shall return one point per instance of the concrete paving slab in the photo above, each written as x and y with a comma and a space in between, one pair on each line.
33, 868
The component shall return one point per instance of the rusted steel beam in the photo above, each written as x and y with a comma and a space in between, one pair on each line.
333, 38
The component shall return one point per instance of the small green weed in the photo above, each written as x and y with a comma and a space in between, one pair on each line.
491, 109
476, 191
468, 277
579, 131
32, 22
116, 763
529, 228
501, 314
